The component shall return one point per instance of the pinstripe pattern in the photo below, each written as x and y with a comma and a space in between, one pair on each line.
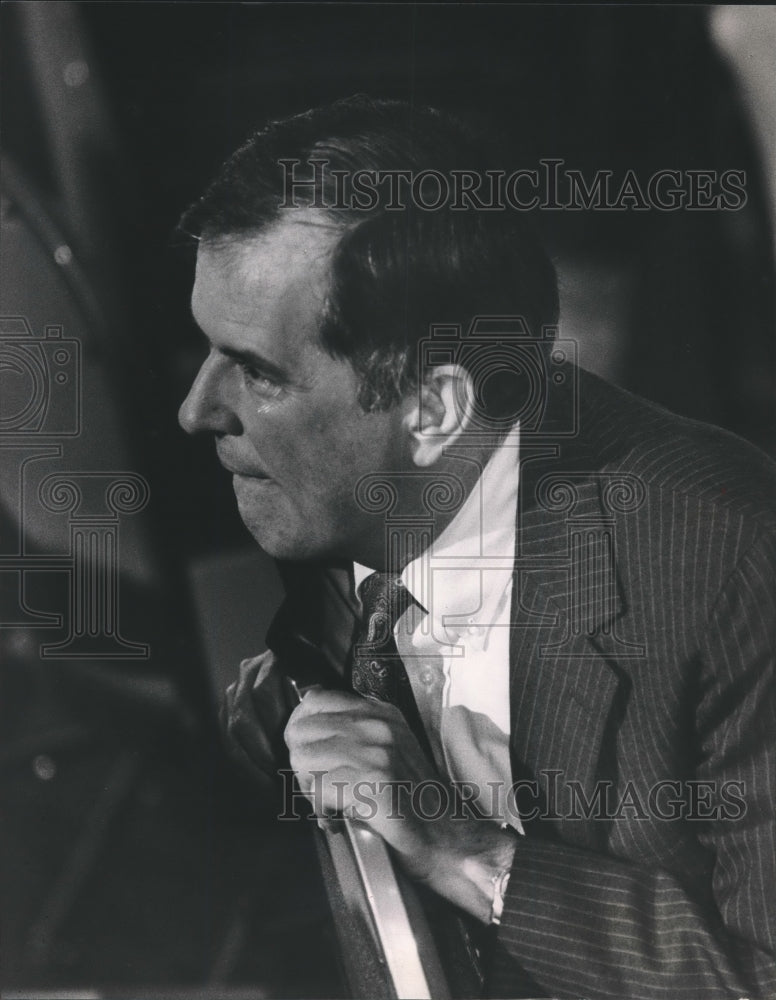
659, 669
635, 905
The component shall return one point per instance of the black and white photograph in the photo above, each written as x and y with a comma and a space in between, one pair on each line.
388, 501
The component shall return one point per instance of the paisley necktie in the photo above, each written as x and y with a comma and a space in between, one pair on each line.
377, 669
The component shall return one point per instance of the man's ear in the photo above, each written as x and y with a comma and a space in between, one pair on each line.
438, 413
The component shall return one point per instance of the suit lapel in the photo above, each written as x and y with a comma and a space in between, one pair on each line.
565, 603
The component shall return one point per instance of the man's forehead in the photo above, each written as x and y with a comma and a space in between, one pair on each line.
283, 268
298, 244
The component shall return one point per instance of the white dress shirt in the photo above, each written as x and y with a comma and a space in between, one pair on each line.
455, 646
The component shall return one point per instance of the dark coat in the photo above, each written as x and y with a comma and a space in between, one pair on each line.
642, 704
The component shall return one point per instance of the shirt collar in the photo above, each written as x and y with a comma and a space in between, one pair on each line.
360, 573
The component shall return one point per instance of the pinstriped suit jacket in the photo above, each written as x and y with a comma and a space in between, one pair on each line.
642, 705
643, 713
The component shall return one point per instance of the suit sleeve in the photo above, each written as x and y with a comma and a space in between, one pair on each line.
576, 923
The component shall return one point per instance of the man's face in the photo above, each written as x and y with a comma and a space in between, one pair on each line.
283, 412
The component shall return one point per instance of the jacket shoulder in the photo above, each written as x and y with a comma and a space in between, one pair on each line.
675, 454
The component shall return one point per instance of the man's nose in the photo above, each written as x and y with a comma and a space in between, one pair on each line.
207, 406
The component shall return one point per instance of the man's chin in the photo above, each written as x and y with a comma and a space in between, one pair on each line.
264, 513
259, 511
268, 536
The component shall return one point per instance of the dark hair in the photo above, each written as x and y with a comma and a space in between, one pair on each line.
394, 273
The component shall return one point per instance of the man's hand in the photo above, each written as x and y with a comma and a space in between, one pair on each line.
358, 756
254, 714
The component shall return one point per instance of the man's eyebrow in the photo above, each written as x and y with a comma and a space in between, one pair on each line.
257, 361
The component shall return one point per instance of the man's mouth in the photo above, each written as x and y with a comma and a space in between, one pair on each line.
251, 475
239, 470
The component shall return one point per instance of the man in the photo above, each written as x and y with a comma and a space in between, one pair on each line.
575, 631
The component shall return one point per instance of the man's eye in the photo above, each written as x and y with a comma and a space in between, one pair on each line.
259, 379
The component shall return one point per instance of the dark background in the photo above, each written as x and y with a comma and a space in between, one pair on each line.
143, 859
